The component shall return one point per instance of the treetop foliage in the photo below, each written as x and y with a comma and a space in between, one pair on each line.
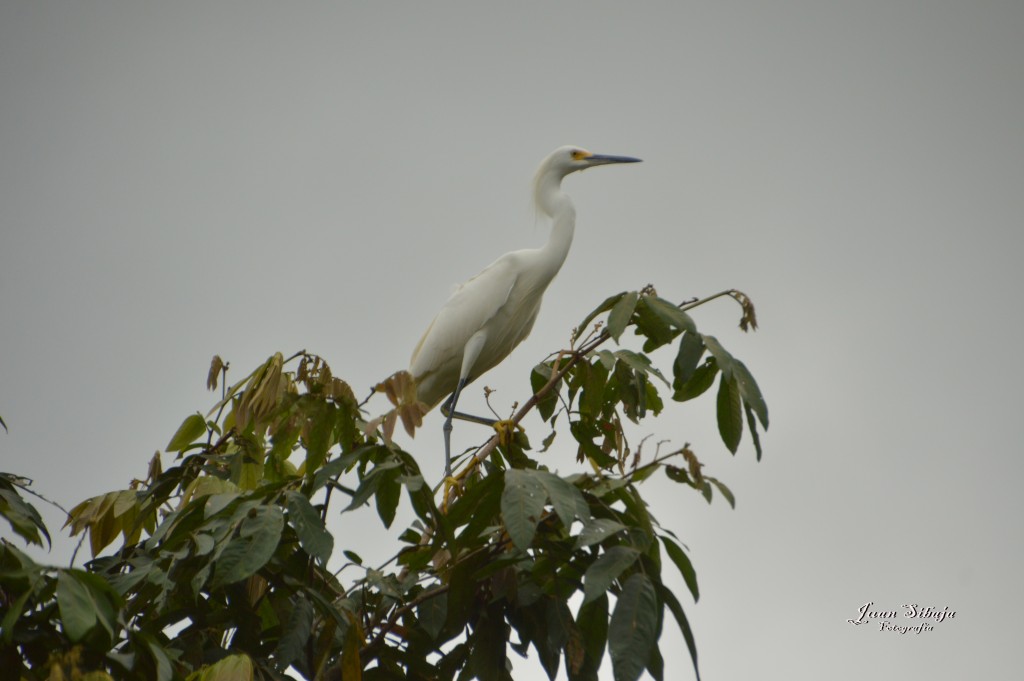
220, 566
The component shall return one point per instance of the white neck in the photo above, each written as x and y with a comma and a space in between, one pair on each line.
554, 203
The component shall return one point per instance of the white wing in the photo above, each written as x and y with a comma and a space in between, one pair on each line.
437, 359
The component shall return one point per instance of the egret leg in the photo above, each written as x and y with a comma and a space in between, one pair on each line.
449, 411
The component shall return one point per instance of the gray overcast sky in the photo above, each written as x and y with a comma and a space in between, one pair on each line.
189, 178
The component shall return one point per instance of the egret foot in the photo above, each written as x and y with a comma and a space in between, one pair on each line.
452, 491
506, 430
453, 483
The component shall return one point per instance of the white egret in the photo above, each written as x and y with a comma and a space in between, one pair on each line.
489, 315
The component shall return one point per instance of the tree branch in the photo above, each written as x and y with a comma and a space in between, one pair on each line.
575, 356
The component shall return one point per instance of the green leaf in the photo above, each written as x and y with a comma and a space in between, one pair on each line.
691, 349
283, 443
558, 627
478, 507
256, 542
309, 527
432, 614
486, 647
326, 606
597, 530
389, 492
753, 429
84, 602
706, 490
345, 462
636, 514
161, 662
730, 412
683, 564
322, 416
678, 474
522, 504
367, 488
656, 665
607, 358
606, 569
188, 432
291, 645
669, 599
23, 517
539, 377
247, 465
726, 492
216, 501
594, 377
656, 329
671, 313
631, 391
608, 304
702, 379
584, 433
652, 399
750, 392
204, 544
12, 615
721, 355
592, 618
633, 628
566, 499
618, 318
639, 363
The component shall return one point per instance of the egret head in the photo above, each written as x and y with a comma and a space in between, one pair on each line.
561, 162
569, 159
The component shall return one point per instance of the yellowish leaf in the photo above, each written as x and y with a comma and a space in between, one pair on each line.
351, 665
230, 668
206, 485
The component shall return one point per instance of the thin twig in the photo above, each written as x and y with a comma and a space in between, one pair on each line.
39, 496
392, 620
74, 554
689, 305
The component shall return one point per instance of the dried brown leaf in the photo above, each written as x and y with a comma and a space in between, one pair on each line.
412, 417
748, 322
390, 419
372, 426
693, 464
216, 366
342, 391
156, 469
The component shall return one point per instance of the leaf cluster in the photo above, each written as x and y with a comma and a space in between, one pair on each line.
221, 565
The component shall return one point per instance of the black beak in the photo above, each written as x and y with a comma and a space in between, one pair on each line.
602, 159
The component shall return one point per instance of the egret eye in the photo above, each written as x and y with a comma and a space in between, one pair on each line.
578, 154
